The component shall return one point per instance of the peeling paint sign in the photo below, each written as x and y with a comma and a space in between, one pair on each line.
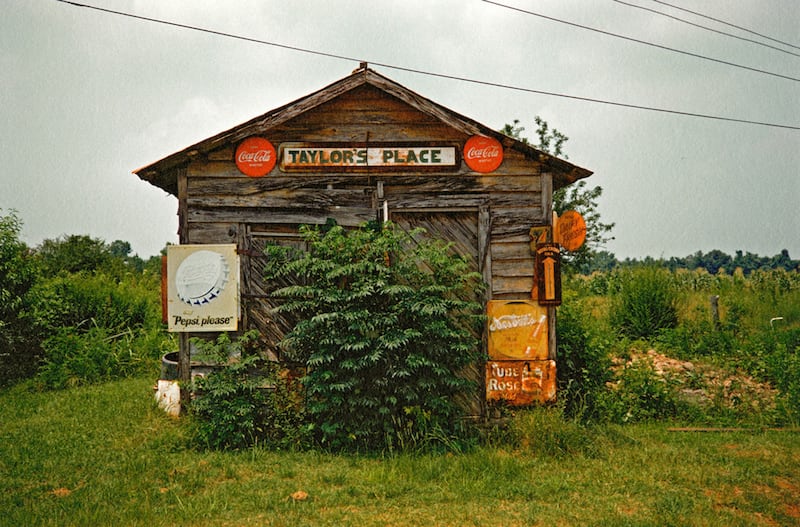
305, 156
521, 383
517, 330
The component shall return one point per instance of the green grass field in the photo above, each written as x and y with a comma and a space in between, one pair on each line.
105, 455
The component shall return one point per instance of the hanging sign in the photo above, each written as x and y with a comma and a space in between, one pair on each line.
304, 156
255, 157
202, 289
548, 274
571, 230
521, 383
483, 154
517, 330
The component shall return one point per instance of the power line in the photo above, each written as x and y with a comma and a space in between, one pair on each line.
726, 23
639, 41
428, 73
707, 28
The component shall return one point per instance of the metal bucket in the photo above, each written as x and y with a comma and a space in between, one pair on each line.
169, 366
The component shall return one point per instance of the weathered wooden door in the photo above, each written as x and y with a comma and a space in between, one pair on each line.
257, 302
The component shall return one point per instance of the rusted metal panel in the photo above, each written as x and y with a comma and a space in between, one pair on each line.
521, 383
517, 330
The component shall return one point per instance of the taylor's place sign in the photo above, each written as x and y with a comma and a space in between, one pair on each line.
257, 156
301, 156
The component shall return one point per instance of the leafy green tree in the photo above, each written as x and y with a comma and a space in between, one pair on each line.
578, 197
73, 254
386, 324
18, 354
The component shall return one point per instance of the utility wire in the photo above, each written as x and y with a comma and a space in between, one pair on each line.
428, 73
646, 43
727, 24
745, 39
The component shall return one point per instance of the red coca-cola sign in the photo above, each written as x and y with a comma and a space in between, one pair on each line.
255, 157
483, 154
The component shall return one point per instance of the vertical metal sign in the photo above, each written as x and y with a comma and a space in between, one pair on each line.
548, 274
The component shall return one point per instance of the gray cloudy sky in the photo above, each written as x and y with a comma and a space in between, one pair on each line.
87, 97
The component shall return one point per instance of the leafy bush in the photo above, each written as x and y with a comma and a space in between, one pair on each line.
83, 300
244, 401
645, 303
387, 324
640, 395
18, 355
696, 338
94, 327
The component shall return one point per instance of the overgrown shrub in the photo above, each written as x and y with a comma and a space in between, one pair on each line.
583, 362
245, 400
386, 326
96, 327
18, 351
640, 395
774, 357
645, 302
72, 358
84, 300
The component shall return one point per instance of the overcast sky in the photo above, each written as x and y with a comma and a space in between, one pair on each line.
87, 97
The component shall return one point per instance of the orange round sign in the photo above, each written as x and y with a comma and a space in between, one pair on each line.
483, 154
255, 157
571, 230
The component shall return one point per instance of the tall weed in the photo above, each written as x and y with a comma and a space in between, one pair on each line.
79, 358
583, 361
645, 303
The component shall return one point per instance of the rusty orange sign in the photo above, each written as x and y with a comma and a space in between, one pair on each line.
255, 157
483, 154
571, 229
521, 383
517, 329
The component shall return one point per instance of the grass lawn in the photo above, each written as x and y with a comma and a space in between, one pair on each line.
104, 455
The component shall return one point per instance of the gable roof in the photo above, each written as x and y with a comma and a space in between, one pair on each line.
162, 173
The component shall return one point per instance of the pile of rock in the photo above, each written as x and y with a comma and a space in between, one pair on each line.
703, 384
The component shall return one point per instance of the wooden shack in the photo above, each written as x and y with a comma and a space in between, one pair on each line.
359, 149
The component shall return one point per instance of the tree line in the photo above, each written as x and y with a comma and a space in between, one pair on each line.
714, 261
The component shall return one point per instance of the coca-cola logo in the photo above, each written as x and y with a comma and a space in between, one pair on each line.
255, 157
483, 154
262, 156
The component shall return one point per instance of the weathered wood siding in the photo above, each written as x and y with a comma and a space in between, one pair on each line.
219, 203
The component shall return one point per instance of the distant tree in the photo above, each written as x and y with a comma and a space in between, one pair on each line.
72, 254
601, 261
119, 249
578, 196
783, 260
